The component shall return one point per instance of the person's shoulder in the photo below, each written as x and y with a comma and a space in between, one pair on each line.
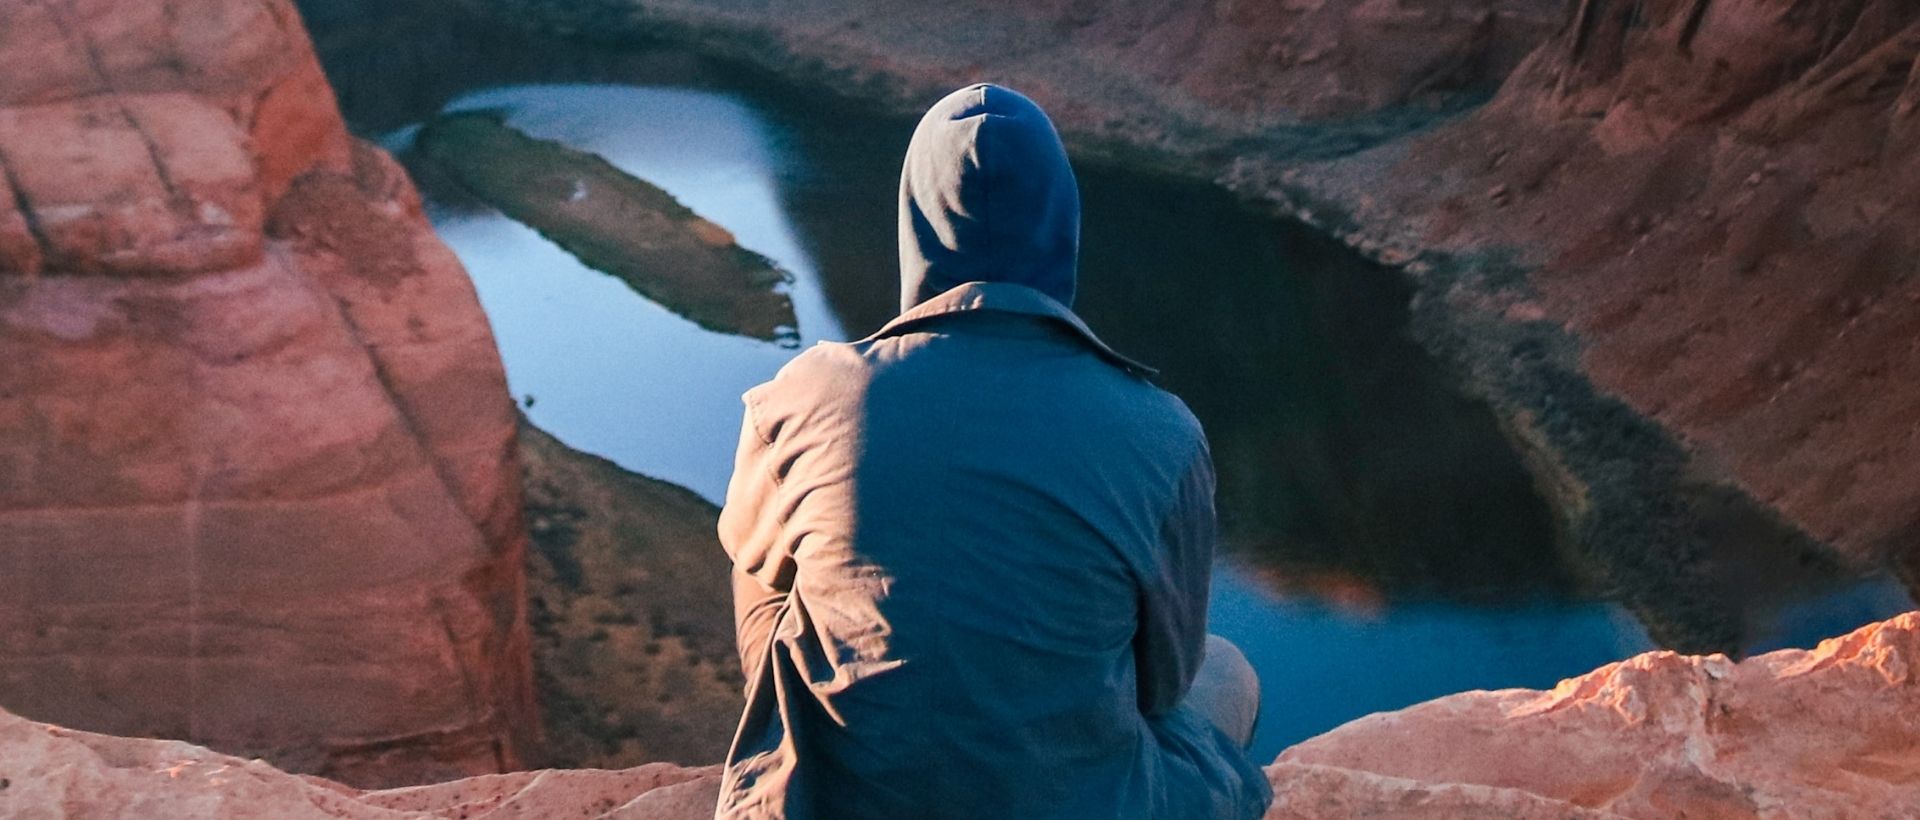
825, 359
827, 369
1144, 391
1180, 415
1161, 414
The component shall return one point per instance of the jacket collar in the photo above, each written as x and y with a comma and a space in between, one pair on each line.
1005, 297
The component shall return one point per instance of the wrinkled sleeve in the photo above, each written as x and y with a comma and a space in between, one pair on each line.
751, 525
1172, 639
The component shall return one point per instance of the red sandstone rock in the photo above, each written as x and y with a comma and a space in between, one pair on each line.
1795, 734
1715, 198
1305, 791
1831, 732
257, 475
47, 771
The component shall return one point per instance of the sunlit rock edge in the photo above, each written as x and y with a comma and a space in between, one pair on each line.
1827, 732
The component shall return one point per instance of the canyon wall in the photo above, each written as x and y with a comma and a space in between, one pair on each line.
1677, 250
258, 487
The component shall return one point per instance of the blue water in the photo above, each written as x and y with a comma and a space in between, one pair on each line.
1321, 666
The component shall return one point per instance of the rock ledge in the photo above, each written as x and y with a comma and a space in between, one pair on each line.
1827, 732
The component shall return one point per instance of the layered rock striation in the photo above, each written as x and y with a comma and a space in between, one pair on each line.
258, 487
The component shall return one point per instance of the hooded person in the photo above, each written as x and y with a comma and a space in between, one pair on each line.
971, 551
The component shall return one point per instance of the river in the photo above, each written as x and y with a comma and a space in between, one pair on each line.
1382, 544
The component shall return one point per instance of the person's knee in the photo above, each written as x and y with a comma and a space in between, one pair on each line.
1227, 690
1231, 661
1231, 668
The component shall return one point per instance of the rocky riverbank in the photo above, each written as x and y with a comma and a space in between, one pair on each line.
1186, 84
1703, 211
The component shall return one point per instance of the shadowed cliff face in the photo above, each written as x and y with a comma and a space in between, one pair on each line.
1741, 266
257, 477
1705, 208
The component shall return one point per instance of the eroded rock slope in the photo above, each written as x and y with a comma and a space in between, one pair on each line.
257, 478
1677, 250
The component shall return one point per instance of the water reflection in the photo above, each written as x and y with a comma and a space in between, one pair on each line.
607, 371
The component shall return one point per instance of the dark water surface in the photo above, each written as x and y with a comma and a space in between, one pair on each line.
1383, 544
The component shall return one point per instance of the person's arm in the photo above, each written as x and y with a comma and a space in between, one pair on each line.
1172, 639
750, 529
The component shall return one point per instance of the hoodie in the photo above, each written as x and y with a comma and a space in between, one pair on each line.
971, 552
986, 195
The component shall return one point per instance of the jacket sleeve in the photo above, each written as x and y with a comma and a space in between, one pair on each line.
1172, 638
751, 531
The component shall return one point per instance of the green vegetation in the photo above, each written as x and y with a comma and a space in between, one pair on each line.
614, 223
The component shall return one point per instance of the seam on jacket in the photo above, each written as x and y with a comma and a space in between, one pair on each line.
980, 133
1200, 457
752, 402
1200, 453
904, 324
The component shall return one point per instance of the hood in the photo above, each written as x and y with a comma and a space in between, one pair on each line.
986, 195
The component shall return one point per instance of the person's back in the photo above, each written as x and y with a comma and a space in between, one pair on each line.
972, 550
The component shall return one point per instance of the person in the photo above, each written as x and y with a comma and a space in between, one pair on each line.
971, 551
